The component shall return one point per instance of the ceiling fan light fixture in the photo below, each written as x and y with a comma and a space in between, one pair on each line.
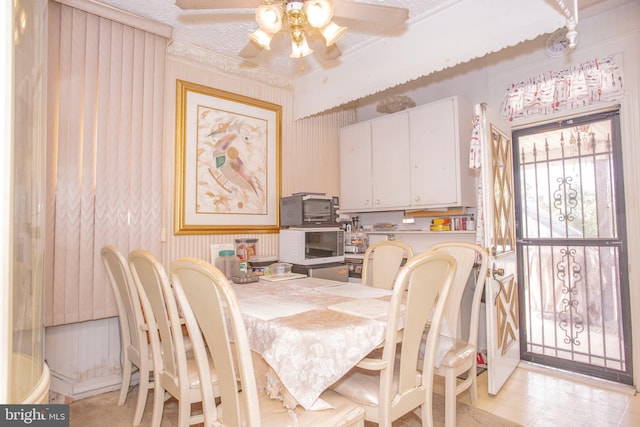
299, 46
319, 12
261, 38
294, 6
332, 33
295, 17
269, 17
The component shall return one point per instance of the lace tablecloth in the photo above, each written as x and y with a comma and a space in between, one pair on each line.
307, 345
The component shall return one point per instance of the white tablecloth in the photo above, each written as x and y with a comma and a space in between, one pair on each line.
306, 345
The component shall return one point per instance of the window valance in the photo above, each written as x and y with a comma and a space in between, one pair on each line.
595, 81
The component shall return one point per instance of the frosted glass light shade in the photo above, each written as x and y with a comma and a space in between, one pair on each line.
269, 17
319, 12
332, 33
300, 48
261, 38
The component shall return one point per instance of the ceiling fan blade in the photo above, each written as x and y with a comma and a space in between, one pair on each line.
216, 4
250, 50
370, 12
211, 17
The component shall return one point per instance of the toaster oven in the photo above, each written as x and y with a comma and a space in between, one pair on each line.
309, 210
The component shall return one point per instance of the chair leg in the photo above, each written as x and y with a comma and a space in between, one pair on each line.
450, 398
426, 411
473, 391
158, 405
127, 368
184, 413
143, 391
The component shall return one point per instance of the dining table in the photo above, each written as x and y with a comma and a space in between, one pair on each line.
306, 333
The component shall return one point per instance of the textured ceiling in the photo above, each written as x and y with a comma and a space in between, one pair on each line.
438, 34
225, 30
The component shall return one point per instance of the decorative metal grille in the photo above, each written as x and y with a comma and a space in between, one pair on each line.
570, 231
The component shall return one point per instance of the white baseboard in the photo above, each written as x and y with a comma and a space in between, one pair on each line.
69, 389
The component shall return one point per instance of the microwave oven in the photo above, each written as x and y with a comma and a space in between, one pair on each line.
310, 246
309, 210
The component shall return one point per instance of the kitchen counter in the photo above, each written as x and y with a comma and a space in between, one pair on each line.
421, 232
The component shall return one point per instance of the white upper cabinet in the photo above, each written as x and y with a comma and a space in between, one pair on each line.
355, 167
389, 154
412, 159
440, 133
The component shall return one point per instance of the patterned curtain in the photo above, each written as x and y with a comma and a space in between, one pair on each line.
598, 80
104, 156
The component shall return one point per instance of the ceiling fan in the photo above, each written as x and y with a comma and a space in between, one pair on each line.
299, 19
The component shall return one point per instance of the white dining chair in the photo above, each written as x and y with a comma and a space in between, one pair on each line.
211, 309
135, 351
459, 364
175, 370
382, 261
388, 382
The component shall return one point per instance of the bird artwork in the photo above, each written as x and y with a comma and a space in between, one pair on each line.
232, 167
231, 163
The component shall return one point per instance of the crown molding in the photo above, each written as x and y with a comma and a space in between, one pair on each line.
227, 65
121, 16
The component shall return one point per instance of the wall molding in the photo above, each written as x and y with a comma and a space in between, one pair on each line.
121, 16
64, 388
201, 56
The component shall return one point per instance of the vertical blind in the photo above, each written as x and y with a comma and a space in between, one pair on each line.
104, 155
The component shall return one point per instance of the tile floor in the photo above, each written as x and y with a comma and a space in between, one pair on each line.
535, 396
539, 397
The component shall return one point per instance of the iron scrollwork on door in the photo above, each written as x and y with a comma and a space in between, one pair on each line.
569, 272
565, 199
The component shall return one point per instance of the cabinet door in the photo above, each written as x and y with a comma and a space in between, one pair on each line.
434, 154
390, 151
355, 167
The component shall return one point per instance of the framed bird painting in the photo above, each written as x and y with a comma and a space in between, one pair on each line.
227, 176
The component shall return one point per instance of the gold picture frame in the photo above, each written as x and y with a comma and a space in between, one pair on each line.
227, 164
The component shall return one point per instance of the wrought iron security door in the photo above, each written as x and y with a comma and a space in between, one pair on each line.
571, 247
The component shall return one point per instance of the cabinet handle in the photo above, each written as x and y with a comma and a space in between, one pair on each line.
377, 201
417, 199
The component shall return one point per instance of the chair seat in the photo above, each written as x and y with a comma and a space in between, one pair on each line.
459, 353
363, 387
275, 414
194, 376
446, 349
